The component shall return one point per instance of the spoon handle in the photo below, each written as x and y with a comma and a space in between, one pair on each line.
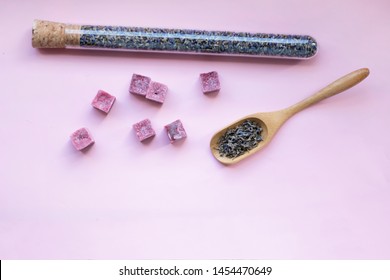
334, 88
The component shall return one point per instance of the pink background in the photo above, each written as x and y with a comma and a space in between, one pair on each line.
320, 190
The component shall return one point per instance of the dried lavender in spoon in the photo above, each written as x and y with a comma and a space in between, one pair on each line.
240, 139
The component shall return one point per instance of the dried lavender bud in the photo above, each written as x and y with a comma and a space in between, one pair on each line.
240, 139
196, 41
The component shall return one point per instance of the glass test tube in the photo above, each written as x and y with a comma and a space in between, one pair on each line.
48, 34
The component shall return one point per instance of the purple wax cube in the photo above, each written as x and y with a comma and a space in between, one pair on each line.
175, 131
144, 130
210, 82
139, 84
103, 101
157, 92
81, 139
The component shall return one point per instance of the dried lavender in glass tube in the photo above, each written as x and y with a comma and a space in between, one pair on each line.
59, 35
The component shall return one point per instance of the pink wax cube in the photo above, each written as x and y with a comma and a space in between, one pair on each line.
81, 139
144, 130
139, 84
157, 92
175, 131
103, 101
210, 82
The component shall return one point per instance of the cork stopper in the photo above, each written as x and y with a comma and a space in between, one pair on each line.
47, 34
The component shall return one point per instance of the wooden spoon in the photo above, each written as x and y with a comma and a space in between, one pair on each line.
272, 121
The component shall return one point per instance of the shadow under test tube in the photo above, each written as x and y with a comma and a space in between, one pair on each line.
46, 34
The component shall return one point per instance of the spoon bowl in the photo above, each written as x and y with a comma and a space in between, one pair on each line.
270, 122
